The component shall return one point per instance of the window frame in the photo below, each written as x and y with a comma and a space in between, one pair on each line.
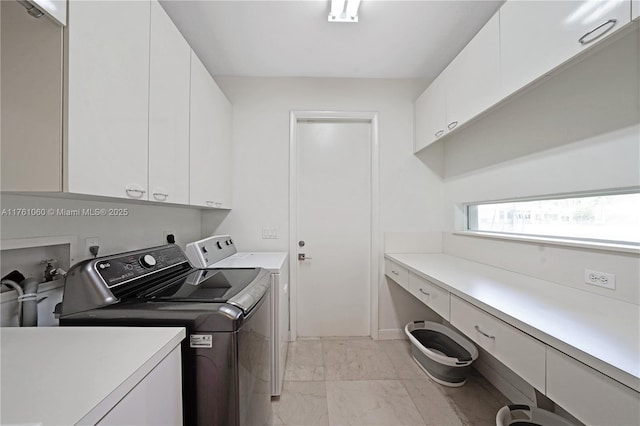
581, 242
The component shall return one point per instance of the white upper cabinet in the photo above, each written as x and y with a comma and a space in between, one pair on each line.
430, 114
468, 86
210, 140
473, 78
635, 9
168, 110
108, 98
538, 36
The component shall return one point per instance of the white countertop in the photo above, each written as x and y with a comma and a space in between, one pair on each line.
271, 261
71, 375
601, 332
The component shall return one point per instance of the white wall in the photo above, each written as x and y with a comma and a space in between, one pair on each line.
410, 193
143, 226
578, 131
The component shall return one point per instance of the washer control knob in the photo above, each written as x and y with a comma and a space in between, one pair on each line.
219, 245
148, 261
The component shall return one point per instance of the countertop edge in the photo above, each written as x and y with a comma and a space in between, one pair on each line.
623, 377
115, 396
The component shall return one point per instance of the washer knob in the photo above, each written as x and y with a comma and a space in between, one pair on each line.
219, 245
148, 261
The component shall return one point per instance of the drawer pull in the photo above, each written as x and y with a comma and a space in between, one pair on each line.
135, 192
424, 292
160, 196
610, 23
394, 272
488, 336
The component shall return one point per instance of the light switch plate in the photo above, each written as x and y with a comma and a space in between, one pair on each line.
270, 233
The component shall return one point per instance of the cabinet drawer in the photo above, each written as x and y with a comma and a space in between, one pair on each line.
430, 294
518, 351
398, 273
590, 396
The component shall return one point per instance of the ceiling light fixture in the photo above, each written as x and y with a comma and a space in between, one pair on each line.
341, 14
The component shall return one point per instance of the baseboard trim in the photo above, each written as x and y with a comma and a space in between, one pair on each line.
391, 334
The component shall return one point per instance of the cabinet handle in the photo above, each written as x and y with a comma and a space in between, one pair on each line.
424, 292
139, 192
160, 194
394, 272
452, 125
483, 333
439, 133
213, 203
609, 24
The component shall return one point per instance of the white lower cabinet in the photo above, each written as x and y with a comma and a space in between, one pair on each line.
430, 294
210, 140
590, 396
156, 400
635, 9
398, 273
517, 350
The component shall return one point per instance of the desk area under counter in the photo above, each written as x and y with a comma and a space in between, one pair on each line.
580, 349
91, 375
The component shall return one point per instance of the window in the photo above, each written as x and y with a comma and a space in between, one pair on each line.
611, 218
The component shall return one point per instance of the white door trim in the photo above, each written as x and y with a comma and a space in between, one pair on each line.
372, 118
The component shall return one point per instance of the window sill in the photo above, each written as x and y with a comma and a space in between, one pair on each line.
621, 248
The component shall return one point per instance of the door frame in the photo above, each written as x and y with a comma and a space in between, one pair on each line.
333, 116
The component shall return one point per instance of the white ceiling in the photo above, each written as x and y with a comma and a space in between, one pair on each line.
394, 39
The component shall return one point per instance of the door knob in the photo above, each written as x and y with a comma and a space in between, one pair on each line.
302, 256
301, 243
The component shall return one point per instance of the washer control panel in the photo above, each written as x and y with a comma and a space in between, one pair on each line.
120, 269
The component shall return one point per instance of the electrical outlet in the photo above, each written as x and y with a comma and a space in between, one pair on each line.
600, 279
165, 234
91, 242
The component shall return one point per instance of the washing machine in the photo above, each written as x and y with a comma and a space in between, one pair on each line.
220, 251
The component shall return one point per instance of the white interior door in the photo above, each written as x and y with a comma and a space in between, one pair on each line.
334, 221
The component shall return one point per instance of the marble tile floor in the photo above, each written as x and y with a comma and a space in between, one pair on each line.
359, 381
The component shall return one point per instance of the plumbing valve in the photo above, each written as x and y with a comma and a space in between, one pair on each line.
50, 271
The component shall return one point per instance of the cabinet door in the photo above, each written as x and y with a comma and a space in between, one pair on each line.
169, 76
635, 10
473, 77
590, 396
210, 140
538, 36
108, 98
156, 400
430, 114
